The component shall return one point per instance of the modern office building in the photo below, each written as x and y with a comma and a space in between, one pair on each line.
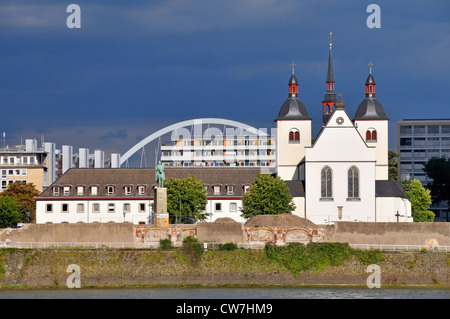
220, 149
26, 163
418, 140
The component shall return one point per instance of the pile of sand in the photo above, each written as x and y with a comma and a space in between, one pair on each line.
281, 220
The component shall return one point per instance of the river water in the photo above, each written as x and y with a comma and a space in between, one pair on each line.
227, 293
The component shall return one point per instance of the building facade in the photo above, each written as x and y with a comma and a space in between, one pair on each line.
127, 194
24, 163
418, 140
220, 150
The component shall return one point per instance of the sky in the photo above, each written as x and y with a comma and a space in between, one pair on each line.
135, 67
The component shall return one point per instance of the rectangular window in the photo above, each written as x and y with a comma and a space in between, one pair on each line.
127, 190
111, 208
230, 190
110, 190
80, 208
233, 207
96, 208
141, 207
141, 190
218, 207
94, 190
216, 189
49, 208
64, 208
405, 141
126, 208
56, 190
80, 190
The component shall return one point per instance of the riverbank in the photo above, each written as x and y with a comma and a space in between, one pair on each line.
137, 268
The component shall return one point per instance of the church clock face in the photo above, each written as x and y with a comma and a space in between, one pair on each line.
339, 120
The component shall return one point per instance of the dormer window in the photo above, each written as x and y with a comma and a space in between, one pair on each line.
110, 190
141, 190
246, 188
230, 189
127, 190
94, 190
216, 189
56, 190
80, 190
66, 190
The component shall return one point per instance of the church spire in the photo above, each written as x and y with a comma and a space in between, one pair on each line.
370, 83
330, 97
293, 83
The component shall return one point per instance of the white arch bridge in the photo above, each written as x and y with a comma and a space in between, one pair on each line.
197, 126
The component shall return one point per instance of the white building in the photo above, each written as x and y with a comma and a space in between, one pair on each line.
126, 194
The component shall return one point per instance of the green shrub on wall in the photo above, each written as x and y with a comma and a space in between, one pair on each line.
317, 256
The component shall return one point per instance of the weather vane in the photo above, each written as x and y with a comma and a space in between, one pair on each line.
370, 67
331, 38
293, 66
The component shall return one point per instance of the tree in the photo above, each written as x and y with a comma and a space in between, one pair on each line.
9, 214
438, 170
420, 199
393, 165
24, 193
186, 198
268, 195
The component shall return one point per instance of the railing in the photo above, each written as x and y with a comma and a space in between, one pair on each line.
155, 245
386, 247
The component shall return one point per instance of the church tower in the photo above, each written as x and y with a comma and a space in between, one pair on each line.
372, 123
330, 97
293, 132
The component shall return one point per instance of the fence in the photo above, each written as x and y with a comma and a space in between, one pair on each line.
155, 245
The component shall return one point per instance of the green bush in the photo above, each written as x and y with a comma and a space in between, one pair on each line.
193, 248
298, 257
228, 246
165, 244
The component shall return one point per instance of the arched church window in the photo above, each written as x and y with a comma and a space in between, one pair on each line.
353, 182
371, 135
294, 136
326, 180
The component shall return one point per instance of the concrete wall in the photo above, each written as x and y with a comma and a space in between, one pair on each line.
220, 232
65, 232
393, 233
436, 234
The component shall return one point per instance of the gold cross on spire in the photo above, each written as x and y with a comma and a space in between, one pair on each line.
370, 67
293, 66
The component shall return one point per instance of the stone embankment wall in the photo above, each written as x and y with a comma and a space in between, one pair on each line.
127, 267
436, 234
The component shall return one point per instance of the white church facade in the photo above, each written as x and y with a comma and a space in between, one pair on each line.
343, 175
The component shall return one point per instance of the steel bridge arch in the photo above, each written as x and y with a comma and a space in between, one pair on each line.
167, 129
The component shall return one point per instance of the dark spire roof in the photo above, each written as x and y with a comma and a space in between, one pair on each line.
370, 108
370, 79
330, 75
293, 108
293, 79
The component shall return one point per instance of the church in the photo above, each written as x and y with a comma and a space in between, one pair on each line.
343, 174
